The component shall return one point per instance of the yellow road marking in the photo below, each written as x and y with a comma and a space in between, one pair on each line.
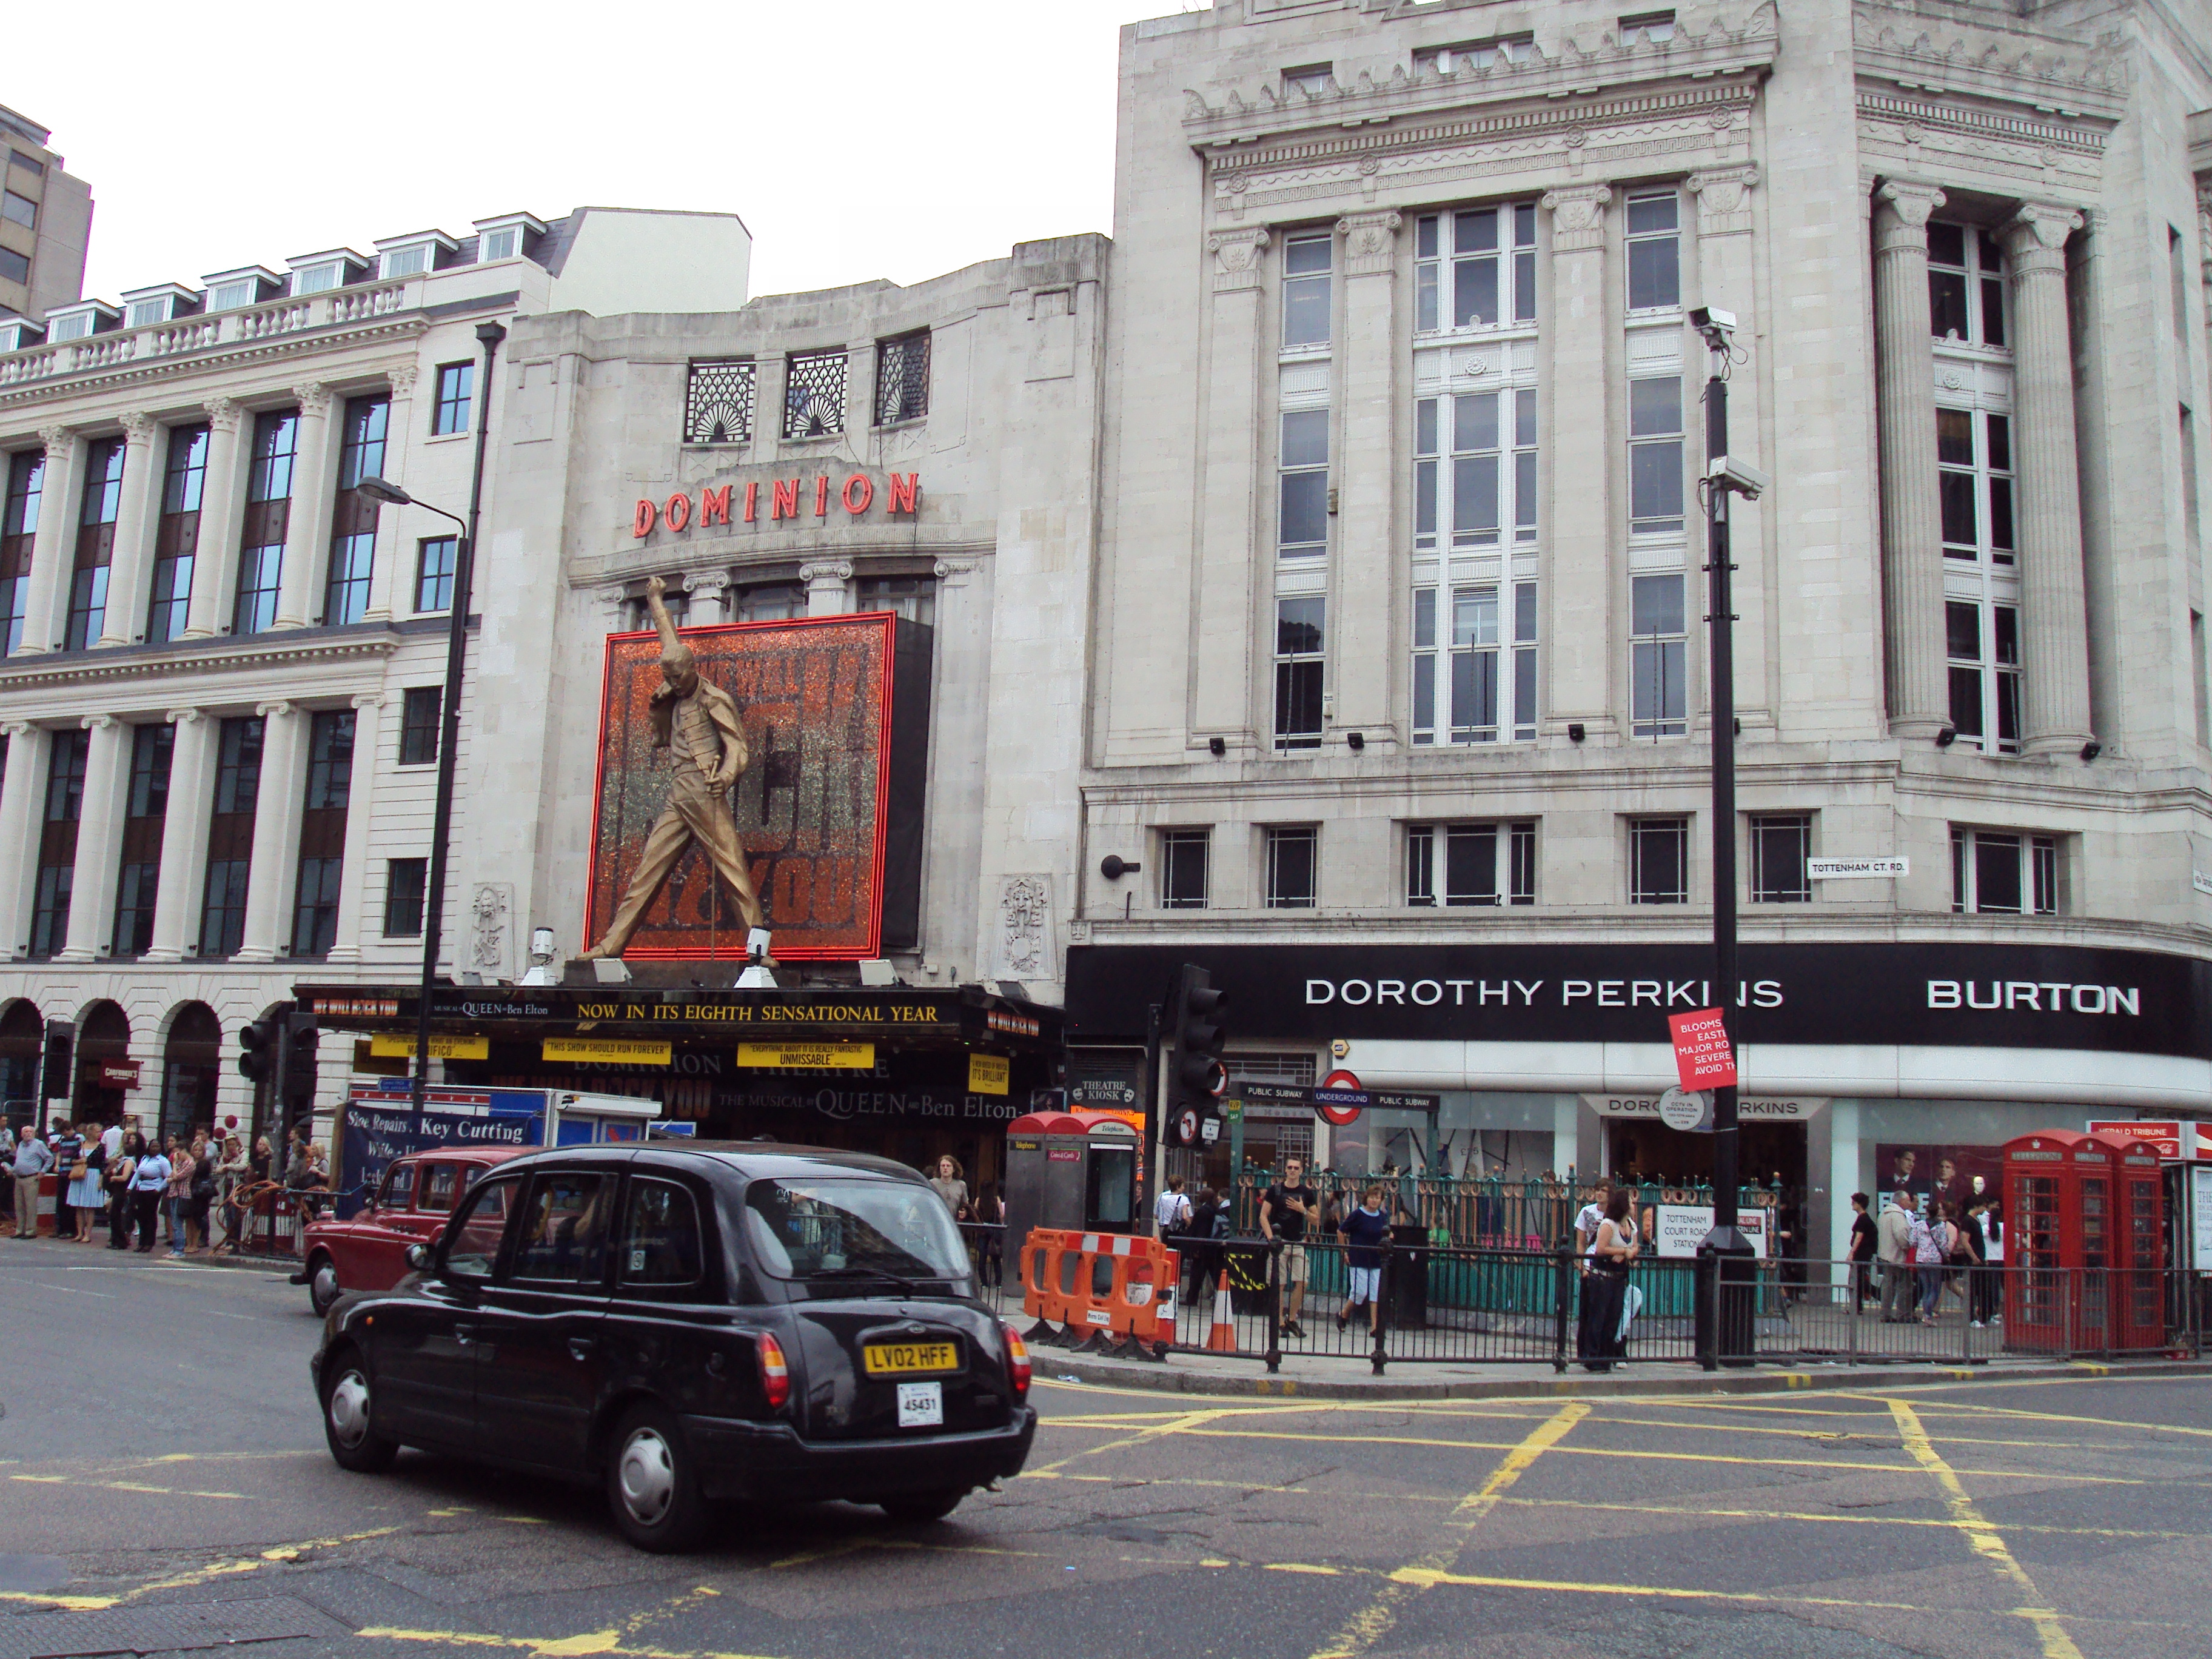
1374, 1621
591, 1642
66, 1603
1425, 1579
2056, 1643
1702, 1512
1303, 1566
1183, 1423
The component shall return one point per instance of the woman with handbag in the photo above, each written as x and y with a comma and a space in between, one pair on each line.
176, 1193
1600, 1341
1930, 1241
88, 1193
119, 1172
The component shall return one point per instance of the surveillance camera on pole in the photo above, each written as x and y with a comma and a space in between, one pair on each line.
1740, 475
1715, 326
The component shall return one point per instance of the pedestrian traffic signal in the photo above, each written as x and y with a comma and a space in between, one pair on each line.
257, 1045
1196, 1077
297, 1091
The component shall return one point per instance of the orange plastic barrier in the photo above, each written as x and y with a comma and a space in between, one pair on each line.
1108, 1290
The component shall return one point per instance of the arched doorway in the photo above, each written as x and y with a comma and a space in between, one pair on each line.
22, 1034
103, 1064
192, 1060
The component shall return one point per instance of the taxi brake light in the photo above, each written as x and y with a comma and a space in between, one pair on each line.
775, 1375
1018, 1362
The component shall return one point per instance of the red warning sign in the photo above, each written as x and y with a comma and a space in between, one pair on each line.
1702, 1056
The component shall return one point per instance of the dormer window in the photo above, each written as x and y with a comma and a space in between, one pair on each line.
316, 279
19, 333
227, 290
80, 322
499, 245
318, 273
507, 237
407, 261
148, 310
412, 256
143, 307
76, 327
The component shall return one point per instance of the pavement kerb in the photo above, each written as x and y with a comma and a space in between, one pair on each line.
1167, 1378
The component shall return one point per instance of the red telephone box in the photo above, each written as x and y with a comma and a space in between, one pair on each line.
2138, 1246
2058, 1241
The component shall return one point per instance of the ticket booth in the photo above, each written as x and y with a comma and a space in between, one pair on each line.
2060, 1242
1076, 1170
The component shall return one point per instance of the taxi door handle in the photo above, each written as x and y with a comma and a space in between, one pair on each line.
464, 1334
583, 1347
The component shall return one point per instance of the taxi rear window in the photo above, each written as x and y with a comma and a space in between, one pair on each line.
439, 1188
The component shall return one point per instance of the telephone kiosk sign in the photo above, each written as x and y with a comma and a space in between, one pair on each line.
1702, 1055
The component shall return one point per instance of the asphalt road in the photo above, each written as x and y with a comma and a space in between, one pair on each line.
163, 1488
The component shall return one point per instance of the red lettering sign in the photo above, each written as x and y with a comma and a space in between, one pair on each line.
1702, 1056
786, 500
752, 503
678, 513
899, 492
641, 522
822, 498
857, 493
714, 506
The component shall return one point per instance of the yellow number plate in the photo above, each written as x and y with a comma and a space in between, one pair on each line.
909, 1358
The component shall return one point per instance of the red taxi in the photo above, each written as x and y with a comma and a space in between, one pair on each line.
369, 1252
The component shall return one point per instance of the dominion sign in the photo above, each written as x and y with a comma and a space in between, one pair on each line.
835, 716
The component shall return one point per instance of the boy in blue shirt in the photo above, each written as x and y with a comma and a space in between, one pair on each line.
1366, 1231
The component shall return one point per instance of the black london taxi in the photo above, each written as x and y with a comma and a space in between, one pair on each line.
689, 1324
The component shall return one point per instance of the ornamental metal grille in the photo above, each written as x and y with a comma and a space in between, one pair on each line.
814, 395
902, 377
718, 404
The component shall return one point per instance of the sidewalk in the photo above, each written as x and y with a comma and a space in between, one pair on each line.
50, 1248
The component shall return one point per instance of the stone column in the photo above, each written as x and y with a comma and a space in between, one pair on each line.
1911, 511
1725, 279
177, 894
1366, 588
222, 505
361, 801
392, 576
277, 805
710, 596
130, 564
308, 522
1584, 589
2054, 620
98, 839
22, 795
53, 547
1229, 551
829, 591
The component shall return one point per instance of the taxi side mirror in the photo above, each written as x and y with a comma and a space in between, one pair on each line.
418, 1257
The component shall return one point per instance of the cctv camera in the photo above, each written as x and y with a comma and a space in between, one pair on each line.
1715, 326
1741, 476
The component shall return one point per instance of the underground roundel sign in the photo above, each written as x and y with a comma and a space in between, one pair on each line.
1339, 1111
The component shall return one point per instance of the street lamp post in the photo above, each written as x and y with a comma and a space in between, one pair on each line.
457, 642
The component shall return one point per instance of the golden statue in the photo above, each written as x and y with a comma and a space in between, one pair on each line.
698, 722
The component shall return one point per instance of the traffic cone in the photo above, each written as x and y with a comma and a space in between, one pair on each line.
1222, 1339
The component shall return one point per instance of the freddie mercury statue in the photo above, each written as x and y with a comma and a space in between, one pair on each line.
698, 722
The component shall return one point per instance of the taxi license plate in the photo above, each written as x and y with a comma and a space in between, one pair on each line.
909, 1358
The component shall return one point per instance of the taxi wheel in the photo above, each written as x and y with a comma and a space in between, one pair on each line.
652, 1485
923, 1507
323, 1283
347, 1397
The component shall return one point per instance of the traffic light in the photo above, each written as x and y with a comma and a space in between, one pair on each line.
55, 1081
257, 1051
297, 1090
1196, 1077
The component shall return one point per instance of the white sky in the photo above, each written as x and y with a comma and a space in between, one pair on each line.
856, 138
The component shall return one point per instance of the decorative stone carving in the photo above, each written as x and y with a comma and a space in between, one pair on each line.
401, 382
1724, 199
490, 906
1237, 258
139, 430
2035, 237
223, 414
946, 570
314, 399
1371, 241
97, 722
826, 570
1023, 943
185, 716
270, 710
1577, 216
58, 440
1901, 224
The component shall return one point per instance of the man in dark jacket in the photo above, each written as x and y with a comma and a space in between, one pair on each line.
1366, 1232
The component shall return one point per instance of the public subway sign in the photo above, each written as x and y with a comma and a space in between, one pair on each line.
854, 497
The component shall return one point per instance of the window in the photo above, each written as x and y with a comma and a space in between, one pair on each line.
902, 377
1659, 647
1973, 452
2197, 677
1298, 672
77, 325
914, 597
353, 516
176, 542
771, 602
19, 210
2004, 874
434, 573
399, 1192
1983, 642
1659, 862
268, 516
1780, 844
30, 164
1491, 266
1966, 285
496, 245
475, 1234
146, 805
456, 385
96, 544
1305, 290
418, 725
1655, 455
1473, 870
317, 279
1655, 251
563, 1238
440, 1188
229, 296
143, 312
323, 832
718, 402
230, 836
1656, 26
1491, 483
405, 880
1303, 528
64, 806
1484, 698
1183, 868
19, 526
407, 261
814, 394
1307, 79
660, 1242
1475, 54
1293, 851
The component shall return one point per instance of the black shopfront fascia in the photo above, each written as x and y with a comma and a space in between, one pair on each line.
2008, 996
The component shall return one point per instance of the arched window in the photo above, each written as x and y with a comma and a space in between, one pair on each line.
103, 1055
191, 1062
22, 1032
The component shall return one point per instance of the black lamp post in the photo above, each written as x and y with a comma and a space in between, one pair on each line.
457, 642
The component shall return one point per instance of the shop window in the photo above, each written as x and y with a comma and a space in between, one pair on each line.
1780, 844
1465, 864
1184, 860
1659, 862
2000, 873
1293, 852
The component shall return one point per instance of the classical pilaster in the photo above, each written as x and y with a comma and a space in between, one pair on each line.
21, 795
222, 500
829, 586
1912, 513
177, 894
1582, 589
307, 525
392, 576
1365, 584
710, 596
361, 802
130, 565
53, 547
2054, 619
98, 839
1229, 550
277, 805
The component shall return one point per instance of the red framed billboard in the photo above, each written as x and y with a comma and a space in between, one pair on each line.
835, 712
